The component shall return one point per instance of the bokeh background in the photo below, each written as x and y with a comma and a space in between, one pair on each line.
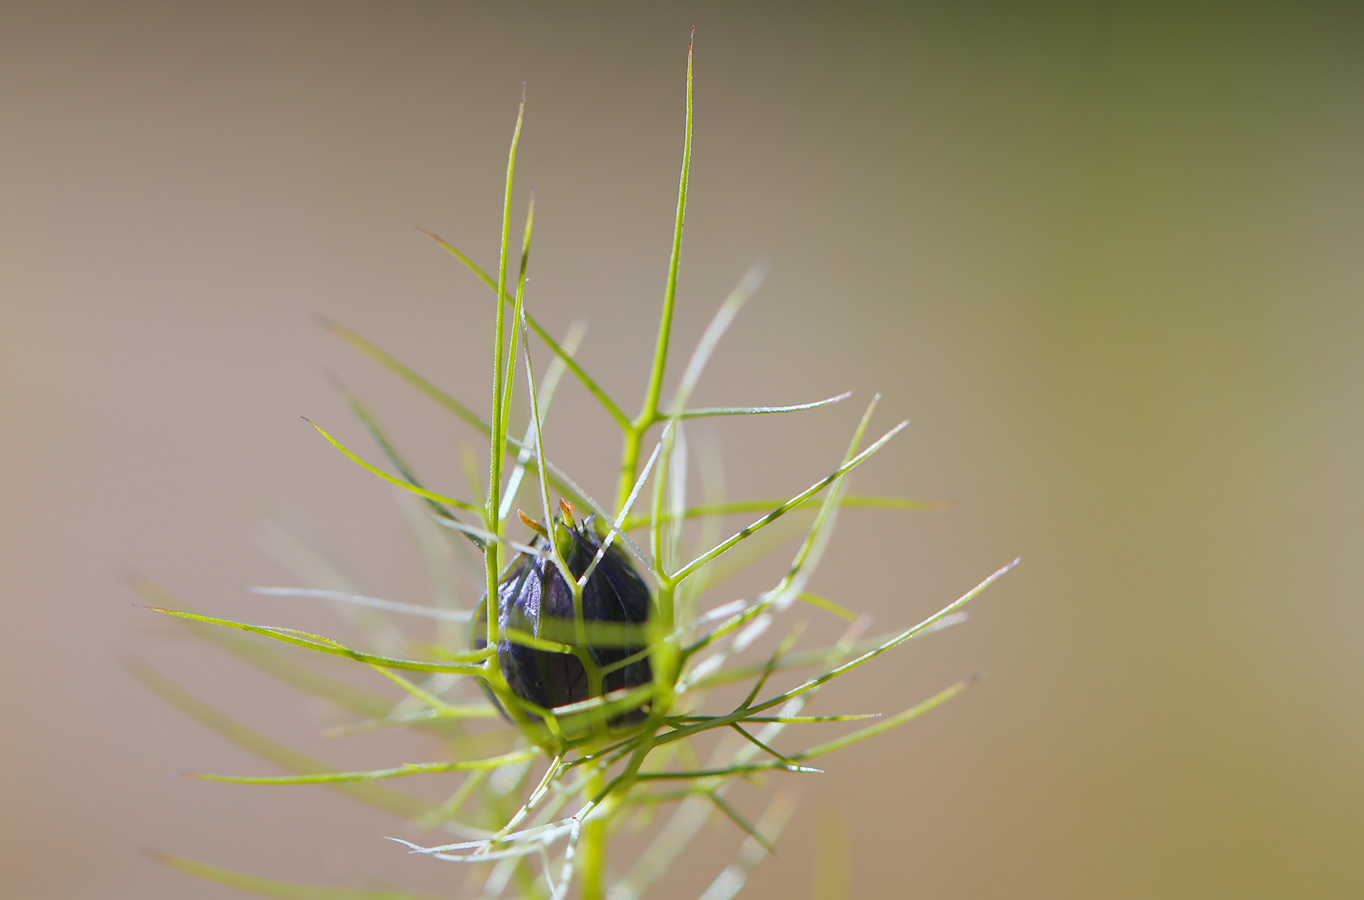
1108, 261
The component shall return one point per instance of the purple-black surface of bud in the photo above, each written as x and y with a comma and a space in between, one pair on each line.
535, 598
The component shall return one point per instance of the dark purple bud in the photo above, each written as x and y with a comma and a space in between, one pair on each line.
534, 597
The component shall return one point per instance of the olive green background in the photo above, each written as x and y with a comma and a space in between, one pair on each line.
1108, 262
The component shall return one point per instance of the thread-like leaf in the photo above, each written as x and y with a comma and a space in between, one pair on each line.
405, 485
327, 645
282, 889
396, 606
272, 751
376, 431
718, 411
334, 777
807, 658
788, 505
862, 734
268, 659
731, 507
739, 820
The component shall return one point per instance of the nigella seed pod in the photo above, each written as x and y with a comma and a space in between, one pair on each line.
535, 598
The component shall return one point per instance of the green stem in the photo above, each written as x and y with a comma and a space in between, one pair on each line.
498, 432
629, 463
648, 414
593, 848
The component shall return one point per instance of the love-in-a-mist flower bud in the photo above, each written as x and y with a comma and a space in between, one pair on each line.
533, 597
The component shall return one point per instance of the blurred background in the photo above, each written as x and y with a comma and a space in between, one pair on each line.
1107, 261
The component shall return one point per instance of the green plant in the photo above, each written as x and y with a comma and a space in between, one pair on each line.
541, 798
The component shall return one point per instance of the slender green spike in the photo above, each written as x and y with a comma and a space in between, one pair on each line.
739, 820
732, 880
273, 663
553, 546
670, 292
785, 720
394, 606
670, 482
592, 387
786, 507
429, 716
813, 546
548, 386
727, 771
374, 774
488, 536
828, 605
442, 560
599, 634
526, 639
668, 449
620, 517
677, 493
913, 712
683, 826
751, 616
808, 658
607, 755
630, 453
577, 724
257, 743
757, 743
267, 659
376, 431
514, 343
502, 378
719, 411
407, 486
462, 412
657, 797
782, 649
431, 700
497, 432
282, 889
327, 645
744, 506
627, 661
748, 553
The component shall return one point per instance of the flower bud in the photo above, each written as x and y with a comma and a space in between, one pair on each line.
534, 597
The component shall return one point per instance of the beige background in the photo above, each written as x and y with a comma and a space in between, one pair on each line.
1108, 263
